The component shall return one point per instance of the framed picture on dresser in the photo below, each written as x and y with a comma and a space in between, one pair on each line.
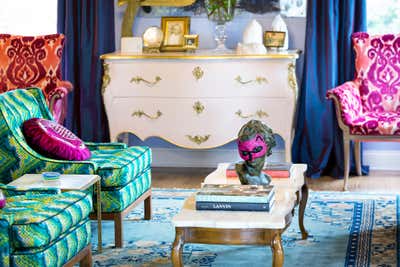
175, 29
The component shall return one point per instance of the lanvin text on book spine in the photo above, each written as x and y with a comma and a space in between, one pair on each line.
234, 206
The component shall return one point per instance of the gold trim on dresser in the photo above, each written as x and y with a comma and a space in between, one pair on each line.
138, 79
292, 78
259, 113
139, 113
198, 139
197, 73
202, 54
198, 107
258, 80
175, 143
106, 77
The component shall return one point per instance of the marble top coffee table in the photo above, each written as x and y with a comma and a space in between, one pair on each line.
242, 227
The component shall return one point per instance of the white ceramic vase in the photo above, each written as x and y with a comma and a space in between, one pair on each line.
279, 25
252, 39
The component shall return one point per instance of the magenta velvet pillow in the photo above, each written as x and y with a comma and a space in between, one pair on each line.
54, 140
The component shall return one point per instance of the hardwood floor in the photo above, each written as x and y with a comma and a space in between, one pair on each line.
376, 181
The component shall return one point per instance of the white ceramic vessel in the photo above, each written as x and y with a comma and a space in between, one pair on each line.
279, 25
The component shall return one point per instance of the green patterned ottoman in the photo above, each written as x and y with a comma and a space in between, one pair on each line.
46, 229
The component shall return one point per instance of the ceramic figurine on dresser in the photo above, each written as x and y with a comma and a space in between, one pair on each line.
252, 40
279, 25
255, 143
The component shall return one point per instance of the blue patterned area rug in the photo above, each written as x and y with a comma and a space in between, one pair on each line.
346, 229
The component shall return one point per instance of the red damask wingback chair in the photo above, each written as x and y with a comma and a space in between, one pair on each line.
368, 108
35, 61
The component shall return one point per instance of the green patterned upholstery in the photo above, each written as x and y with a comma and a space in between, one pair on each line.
103, 146
11, 191
40, 219
118, 199
6, 220
16, 157
118, 167
122, 169
59, 252
44, 229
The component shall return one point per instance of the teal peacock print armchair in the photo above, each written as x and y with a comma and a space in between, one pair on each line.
125, 171
43, 227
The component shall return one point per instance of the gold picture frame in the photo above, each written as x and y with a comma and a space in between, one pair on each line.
191, 41
274, 39
174, 28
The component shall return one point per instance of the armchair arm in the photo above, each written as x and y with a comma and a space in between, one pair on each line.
10, 191
348, 97
33, 162
105, 146
6, 220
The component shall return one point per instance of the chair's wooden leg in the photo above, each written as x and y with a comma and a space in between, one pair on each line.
357, 156
302, 208
147, 208
87, 261
346, 144
118, 229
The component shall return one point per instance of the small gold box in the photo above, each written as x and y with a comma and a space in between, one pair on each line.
274, 39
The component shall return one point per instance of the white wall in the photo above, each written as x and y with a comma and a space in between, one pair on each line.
378, 156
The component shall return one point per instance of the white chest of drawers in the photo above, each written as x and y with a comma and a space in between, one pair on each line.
199, 101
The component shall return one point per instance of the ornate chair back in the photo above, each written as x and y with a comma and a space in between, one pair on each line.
378, 71
35, 61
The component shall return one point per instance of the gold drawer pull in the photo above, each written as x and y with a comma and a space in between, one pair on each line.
197, 73
198, 107
139, 79
258, 80
259, 113
140, 113
198, 139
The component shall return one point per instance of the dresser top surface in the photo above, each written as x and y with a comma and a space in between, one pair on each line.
203, 54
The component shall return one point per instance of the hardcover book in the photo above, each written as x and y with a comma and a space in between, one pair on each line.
275, 170
235, 206
235, 193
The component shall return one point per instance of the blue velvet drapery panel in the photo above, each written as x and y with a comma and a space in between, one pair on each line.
89, 29
328, 62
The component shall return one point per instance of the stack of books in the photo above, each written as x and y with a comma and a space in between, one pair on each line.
275, 170
235, 197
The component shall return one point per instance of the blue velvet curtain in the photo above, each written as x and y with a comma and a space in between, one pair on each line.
328, 62
89, 29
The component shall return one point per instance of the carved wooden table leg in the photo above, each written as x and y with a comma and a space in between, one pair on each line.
177, 247
302, 208
277, 251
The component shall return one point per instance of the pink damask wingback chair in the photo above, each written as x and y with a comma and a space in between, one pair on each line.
35, 61
368, 108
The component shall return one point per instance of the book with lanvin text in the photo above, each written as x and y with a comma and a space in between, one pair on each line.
235, 206
235, 197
